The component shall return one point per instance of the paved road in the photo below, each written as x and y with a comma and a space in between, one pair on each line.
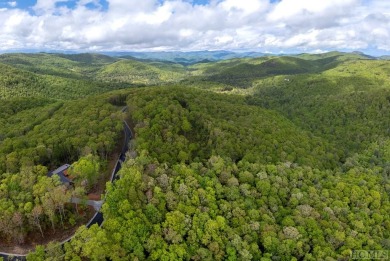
96, 204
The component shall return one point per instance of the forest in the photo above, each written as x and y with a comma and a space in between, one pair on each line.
264, 158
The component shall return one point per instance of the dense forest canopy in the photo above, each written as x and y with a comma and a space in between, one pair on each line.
267, 158
39, 135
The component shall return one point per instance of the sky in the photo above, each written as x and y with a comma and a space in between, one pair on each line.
269, 26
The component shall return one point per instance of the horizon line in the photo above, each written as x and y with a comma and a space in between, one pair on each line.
265, 53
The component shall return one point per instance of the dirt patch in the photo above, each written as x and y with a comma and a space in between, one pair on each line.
59, 235
93, 196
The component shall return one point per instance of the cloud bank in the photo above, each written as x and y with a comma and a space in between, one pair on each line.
258, 25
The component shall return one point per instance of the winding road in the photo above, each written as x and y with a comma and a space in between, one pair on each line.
96, 204
98, 217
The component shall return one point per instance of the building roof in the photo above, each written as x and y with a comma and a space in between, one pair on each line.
62, 168
60, 172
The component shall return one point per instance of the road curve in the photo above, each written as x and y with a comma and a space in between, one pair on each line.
98, 217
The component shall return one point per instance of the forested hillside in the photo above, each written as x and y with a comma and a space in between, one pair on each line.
38, 135
268, 158
348, 105
188, 193
141, 73
71, 76
18, 83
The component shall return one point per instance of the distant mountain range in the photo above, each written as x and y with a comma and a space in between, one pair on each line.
188, 58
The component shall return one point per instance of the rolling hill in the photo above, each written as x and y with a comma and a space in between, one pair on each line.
241, 73
141, 73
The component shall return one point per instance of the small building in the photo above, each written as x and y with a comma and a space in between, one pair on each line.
62, 173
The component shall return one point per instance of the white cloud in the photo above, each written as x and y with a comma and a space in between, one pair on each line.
12, 4
288, 9
157, 16
45, 5
299, 25
132, 6
249, 7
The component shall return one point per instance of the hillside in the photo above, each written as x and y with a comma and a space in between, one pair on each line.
141, 73
47, 76
241, 73
341, 56
45, 64
89, 58
84, 73
226, 126
347, 105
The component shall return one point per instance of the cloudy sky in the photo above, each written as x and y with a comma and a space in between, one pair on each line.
152, 25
